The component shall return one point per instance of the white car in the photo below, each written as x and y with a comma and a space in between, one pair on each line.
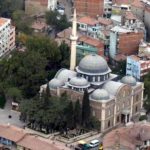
94, 143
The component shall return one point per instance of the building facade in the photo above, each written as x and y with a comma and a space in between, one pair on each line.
139, 65
35, 7
92, 8
124, 41
7, 36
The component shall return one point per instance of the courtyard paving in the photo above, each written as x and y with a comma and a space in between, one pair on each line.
14, 120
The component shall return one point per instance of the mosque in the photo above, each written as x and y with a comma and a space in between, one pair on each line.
113, 101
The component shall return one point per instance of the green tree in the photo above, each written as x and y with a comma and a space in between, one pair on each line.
86, 109
15, 94
77, 113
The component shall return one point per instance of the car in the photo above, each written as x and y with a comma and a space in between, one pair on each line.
94, 143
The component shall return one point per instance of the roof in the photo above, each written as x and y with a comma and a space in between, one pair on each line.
105, 21
3, 21
130, 16
38, 25
129, 136
22, 138
90, 41
138, 3
134, 57
34, 143
11, 132
122, 1
112, 87
120, 29
88, 20
120, 57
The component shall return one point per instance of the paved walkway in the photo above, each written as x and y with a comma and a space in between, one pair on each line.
14, 120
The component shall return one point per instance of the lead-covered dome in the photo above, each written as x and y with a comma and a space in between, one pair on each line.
93, 63
79, 81
55, 83
100, 94
129, 80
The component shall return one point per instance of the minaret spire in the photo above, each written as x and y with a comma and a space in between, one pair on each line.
73, 39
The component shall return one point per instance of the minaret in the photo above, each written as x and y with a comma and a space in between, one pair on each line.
73, 39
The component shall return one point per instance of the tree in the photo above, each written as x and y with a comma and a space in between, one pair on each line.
77, 113
51, 17
14, 93
85, 109
143, 117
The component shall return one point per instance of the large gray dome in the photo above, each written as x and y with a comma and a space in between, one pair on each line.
100, 94
93, 63
55, 83
129, 80
78, 81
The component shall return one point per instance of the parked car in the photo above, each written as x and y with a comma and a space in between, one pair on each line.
94, 143
82, 145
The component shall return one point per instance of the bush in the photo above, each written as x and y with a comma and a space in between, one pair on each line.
2, 101
143, 117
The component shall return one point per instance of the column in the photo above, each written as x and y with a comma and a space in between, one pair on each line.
115, 114
131, 110
103, 117
126, 118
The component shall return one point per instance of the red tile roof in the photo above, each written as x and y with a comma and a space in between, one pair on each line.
130, 16
90, 41
105, 21
2, 21
138, 3
88, 20
128, 136
33, 143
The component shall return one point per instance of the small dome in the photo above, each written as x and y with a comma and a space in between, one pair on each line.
55, 83
93, 63
100, 94
79, 81
129, 80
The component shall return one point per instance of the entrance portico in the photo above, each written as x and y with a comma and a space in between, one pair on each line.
125, 116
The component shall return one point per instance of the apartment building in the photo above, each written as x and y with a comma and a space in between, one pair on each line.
139, 65
91, 8
7, 36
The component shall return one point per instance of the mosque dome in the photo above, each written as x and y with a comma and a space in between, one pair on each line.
55, 83
93, 63
100, 94
129, 80
78, 81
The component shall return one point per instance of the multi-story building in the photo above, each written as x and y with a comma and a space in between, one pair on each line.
139, 65
33, 7
87, 45
7, 36
91, 8
124, 41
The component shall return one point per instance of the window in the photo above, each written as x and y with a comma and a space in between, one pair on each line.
118, 118
108, 123
137, 97
93, 113
136, 109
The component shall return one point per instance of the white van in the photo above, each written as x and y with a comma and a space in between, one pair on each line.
94, 143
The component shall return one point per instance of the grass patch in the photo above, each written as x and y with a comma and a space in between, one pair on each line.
2, 101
